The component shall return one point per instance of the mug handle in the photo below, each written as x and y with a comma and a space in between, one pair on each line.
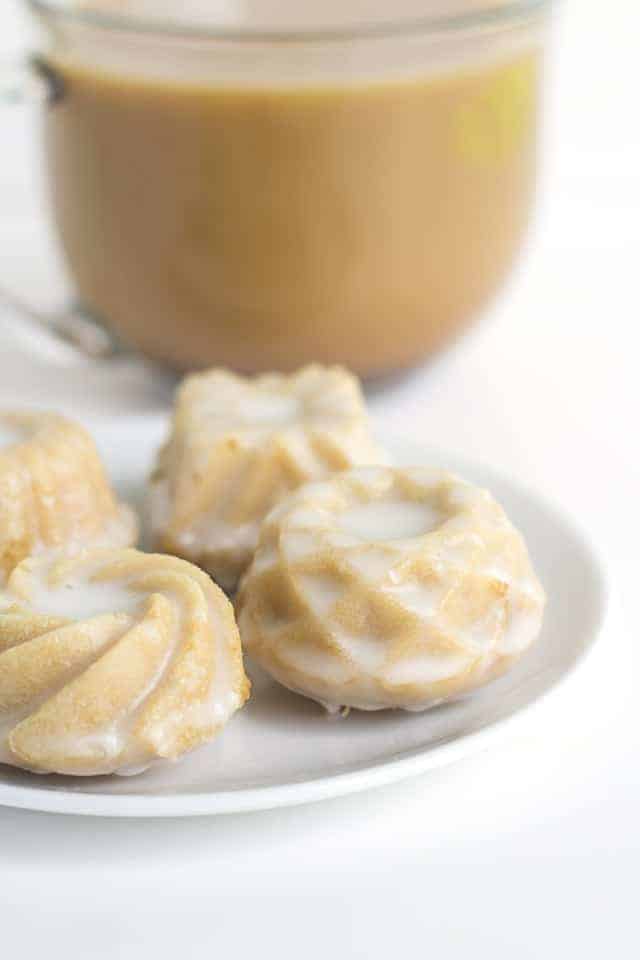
32, 81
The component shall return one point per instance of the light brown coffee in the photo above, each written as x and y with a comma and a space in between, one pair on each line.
268, 226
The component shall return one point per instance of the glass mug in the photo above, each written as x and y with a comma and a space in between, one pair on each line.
267, 188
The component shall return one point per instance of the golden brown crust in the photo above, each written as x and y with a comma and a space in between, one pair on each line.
238, 445
115, 691
387, 622
54, 492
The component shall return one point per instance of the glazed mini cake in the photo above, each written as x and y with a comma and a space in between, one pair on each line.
388, 588
54, 493
112, 661
237, 445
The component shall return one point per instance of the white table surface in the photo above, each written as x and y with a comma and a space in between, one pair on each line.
531, 850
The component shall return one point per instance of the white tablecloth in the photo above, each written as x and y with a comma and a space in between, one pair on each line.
530, 850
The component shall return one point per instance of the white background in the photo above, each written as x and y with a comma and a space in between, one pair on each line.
531, 850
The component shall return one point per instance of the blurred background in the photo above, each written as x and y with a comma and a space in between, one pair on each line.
550, 359
533, 851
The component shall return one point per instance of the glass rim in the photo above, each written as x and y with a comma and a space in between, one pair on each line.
495, 15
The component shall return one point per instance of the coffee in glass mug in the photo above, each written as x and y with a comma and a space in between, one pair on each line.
262, 184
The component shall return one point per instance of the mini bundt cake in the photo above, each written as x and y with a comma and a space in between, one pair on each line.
54, 492
113, 660
388, 587
237, 445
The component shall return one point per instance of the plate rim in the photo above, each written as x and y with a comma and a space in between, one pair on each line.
420, 760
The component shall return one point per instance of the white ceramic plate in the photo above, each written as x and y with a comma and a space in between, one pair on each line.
282, 749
